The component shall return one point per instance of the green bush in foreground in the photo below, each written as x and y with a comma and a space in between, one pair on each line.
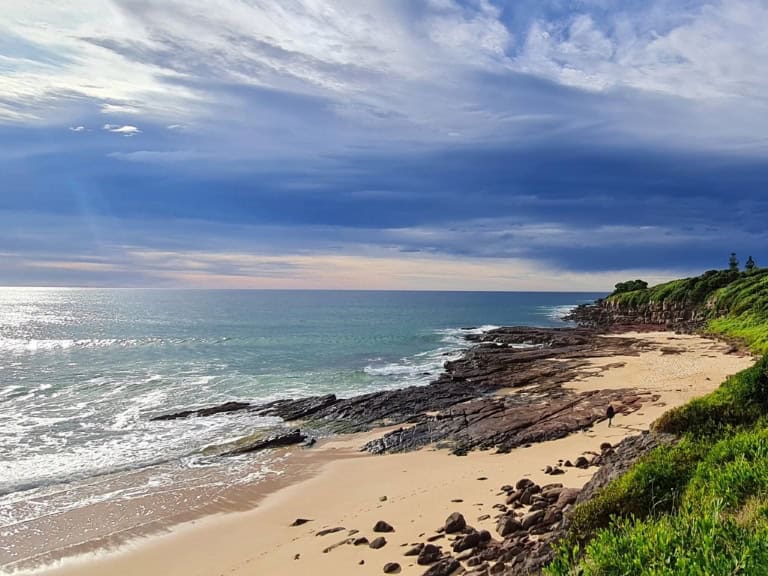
719, 527
652, 485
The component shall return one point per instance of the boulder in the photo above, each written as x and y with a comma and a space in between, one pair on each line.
508, 525
391, 568
531, 519
444, 567
466, 542
428, 555
455, 523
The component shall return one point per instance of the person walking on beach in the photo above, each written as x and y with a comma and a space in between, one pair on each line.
610, 413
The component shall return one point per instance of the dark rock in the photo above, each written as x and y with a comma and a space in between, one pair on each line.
567, 496
336, 545
498, 568
391, 568
429, 554
287, 439
531, 519
455, 523
377, 543
300, 521
362, 541
382, 526
508, 525
466, 542
444, 567
551, 494
523, 483
581, 462
435, 537
330, 531
551, 516
605, 446
415, 551
568, 464
483, 517
556, 471
296, 409
202, 412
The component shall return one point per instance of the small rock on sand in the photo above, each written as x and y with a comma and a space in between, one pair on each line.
391, 568
382, 526
330, 531
300, 521
377, 543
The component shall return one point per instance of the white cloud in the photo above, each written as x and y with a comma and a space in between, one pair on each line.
391, 71
126, 130
719, 50
77, 128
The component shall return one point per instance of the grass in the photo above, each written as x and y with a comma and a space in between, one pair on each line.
699, 507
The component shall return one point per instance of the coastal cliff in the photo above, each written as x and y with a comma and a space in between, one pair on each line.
609, 313
725, 303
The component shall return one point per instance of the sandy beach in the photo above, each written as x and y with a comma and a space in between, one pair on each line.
413, 492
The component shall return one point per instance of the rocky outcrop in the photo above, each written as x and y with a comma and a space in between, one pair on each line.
507, 422
463, 409
285, 439
608, 313
210, 411
616, 461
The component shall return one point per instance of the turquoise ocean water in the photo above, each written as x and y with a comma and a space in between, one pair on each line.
83, 370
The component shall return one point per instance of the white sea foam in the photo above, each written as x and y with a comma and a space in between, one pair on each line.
556, 312
424, 367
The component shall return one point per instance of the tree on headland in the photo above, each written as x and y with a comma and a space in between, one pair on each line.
630, 285
733, 262
750, 265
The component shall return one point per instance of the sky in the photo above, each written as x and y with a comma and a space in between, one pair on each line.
380, 144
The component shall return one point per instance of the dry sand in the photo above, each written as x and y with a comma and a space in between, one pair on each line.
420, 487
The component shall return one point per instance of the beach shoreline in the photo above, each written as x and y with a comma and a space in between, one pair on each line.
339, 486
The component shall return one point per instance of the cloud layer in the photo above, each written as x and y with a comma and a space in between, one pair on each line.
587, 137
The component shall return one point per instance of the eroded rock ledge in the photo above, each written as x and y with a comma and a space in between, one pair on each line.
506, 391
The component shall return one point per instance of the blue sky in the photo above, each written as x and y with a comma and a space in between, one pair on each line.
433, 144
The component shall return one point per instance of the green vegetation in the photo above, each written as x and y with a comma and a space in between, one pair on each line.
732, 304
630, 286
699, 507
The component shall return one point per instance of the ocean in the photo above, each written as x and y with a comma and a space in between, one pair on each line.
82, 371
